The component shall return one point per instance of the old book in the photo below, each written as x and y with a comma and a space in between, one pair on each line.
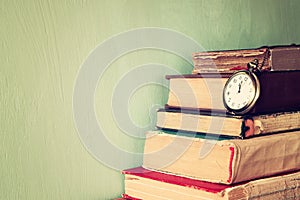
273, 58
226, 161
227, 125
144, 184
279, 91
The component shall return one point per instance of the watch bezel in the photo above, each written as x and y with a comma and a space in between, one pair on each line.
251, 103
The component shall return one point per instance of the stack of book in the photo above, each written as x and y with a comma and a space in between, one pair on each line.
201, 151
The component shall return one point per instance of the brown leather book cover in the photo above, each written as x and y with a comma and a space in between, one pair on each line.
280, 91
285, 57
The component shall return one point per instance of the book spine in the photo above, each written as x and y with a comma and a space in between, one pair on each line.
279, 92
283, 58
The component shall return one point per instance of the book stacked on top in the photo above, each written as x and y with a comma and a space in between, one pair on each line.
274, 58
200, 151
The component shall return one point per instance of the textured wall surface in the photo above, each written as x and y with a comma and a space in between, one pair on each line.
43, 44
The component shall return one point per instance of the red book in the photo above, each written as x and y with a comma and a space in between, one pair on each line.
141, 183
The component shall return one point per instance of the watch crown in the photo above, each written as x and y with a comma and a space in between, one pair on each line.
253, 66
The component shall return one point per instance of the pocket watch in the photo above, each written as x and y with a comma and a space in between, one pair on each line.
242, 90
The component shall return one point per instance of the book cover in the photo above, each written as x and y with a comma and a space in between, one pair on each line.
227, 161
144, 184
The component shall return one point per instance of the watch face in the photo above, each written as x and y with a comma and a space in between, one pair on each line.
241, 92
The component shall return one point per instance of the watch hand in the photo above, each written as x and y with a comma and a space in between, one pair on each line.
240, 85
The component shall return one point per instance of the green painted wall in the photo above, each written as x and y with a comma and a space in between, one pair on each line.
43, 44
